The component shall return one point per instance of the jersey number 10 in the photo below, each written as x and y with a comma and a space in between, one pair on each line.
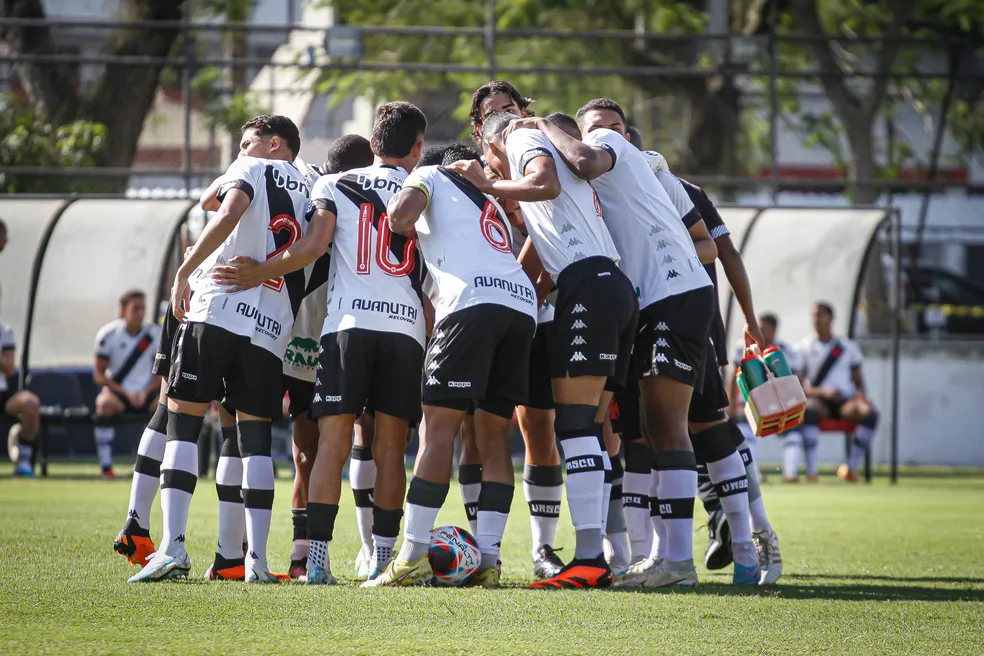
384, 243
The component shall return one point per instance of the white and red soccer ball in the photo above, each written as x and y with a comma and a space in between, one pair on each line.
453, 555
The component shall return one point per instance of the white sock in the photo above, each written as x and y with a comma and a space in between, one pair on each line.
147, 469
619, 544
318, 555
104, 445
543, 486
731, 484
585, 484
232, 513
300, 549
792, 444
258, 482
494, 502
385, 528
382, 551
470, 484
25, 450
424, 501
811, 440
606, 490
635, 507
362, 477
659, 528
756, 505
677, 491
752, 445
298, 520
179, 476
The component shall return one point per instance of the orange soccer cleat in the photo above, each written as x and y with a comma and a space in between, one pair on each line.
593, 573
845, 474
137, 549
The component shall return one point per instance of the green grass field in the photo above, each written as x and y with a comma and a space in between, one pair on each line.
877, 569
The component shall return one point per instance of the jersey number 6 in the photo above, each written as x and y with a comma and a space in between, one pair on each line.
493, 230
384, 243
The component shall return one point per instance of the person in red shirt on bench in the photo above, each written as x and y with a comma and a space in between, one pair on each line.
834, 388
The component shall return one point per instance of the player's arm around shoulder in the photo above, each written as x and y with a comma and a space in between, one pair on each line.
404, 208
588, 159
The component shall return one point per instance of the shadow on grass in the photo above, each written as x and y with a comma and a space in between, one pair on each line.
833, 592
882, 577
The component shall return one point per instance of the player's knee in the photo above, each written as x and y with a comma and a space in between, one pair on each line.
870, 419
574, 420
812, 416
30, 405
714, 443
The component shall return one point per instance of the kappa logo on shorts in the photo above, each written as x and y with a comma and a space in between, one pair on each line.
432, 381
578, 357
662, 342
672, 274
435, 350
578, 341
317, 398
607, 356
160, 356
439, 334
459, 383
661, 358
579, 309
333, 399
433, 366
668, 259
578, 325
662, 326
187, 376
682, 365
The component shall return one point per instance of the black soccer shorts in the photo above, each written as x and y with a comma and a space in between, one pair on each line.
672, 338
709, 401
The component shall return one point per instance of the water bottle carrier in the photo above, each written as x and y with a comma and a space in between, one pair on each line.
776, 405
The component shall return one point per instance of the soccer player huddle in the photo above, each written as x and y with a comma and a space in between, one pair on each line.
560, 276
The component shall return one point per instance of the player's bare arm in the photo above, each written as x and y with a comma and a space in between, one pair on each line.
7, 363
539, 183
217, 230
587, 162
210, 197
404, 209
100, 378
734, 269
858, 379
703, 242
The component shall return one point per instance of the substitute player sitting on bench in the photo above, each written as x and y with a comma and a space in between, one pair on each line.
123, 370
835, 389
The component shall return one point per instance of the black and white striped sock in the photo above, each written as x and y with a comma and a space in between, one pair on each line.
229, 486
255, 446
179, 476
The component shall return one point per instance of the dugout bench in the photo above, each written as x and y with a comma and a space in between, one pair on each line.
847, 427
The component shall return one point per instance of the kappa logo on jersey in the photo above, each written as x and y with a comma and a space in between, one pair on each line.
379, 184
578, 325
668, 259
578, 357
580, 256
264, 324
682, 365
672, 274
655, 230
662, 326
662, 342
661, 358
432, 381
607, 356
567, 227
578, 341
574, 241
579, 309
661, 244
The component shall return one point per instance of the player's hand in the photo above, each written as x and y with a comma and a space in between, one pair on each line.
529, 123
138, 400
241, 273
753, 334
180, 298
473, 171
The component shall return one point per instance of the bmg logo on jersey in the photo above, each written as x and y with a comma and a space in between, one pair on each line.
379, 184
289, 183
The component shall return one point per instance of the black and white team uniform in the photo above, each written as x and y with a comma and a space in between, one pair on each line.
130, 356
485, 306
301, 356
7, 387
831, 364
541, 389
596, 310
658, 255
239, 340
372, 340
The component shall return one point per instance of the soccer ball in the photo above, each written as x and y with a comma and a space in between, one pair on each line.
453, 555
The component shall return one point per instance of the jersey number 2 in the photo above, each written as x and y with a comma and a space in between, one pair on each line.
384, 244
286, 230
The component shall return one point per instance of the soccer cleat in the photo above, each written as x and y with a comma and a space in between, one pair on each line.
298, 569
488, 577
669, 574
770, 560
845, 474
547, 564
319, 576
162, 567
718, 554
637, 572
24, 470
812, 479
226, 569
790, 479
363, 563
746, 575
137, 549
257, 574
108, 474
584, 573
403, 573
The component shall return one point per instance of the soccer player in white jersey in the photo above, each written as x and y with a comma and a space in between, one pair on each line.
20, 406
234, 340
594, 322
484, 320
543, 478
662, 256
373, 336
835, 389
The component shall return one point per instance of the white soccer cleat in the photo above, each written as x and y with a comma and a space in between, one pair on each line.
770, 560
161, 567
637, 573
669, 574
363, 563
258, 573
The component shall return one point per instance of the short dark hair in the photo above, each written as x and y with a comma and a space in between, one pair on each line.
351, 151
826, 307
432, 155
635, 138
459, 151
770, 319
131, 295
490, 89
495, 123
275, 124
396, 129
564, 122
599, 103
